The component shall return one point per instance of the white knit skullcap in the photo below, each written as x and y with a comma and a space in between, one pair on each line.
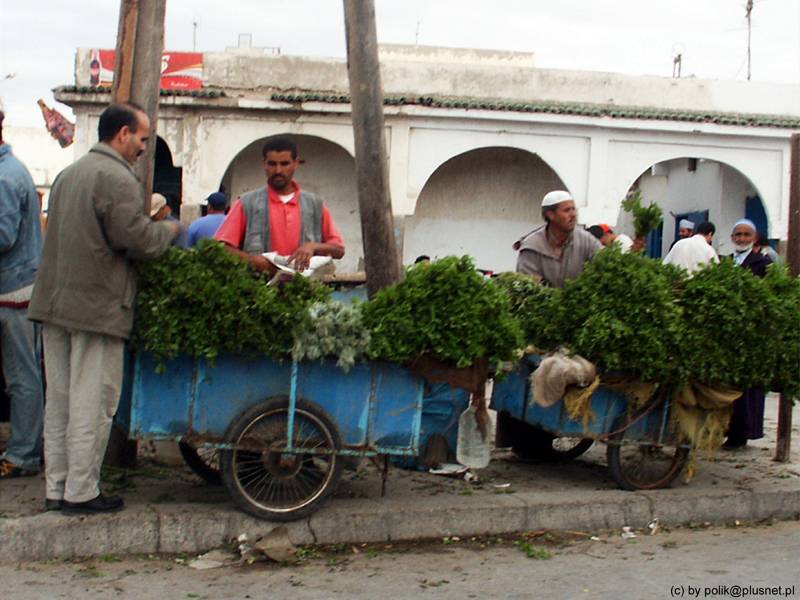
553, 198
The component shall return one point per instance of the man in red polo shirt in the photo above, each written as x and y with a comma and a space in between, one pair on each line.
281, 217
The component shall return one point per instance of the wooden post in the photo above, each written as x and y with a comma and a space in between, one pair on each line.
137, 71
137, 79
381, 257
784, 444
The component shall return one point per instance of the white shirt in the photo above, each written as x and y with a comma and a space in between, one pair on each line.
690, 253
738, 257
624, 241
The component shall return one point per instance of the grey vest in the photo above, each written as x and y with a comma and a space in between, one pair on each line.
257, 238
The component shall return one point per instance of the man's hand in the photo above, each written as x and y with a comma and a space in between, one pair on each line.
176, 227
257, 261
302, 256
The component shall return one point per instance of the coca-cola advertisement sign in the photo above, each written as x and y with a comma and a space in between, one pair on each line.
179, 70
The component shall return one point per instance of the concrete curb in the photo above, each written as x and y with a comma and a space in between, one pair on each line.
179, 528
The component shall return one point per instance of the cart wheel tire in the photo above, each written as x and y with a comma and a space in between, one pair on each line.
203, 461
564, 449
642, 466
269, 483
532, 443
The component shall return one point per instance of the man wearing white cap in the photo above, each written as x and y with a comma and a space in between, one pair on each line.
743, 237
747, 420
691, 253
685, 230
556, 251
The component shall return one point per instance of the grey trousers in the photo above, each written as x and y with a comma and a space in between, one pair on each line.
84, 379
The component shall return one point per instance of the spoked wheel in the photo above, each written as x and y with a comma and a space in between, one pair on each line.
532, 443
642, 466
270, 483
204, 461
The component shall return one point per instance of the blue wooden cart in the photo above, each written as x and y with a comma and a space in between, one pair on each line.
279, 431
642, 448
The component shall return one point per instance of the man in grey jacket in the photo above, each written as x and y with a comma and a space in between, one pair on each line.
83, 294
556, 251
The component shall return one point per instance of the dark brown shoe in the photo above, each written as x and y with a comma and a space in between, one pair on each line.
99, 505
51, 505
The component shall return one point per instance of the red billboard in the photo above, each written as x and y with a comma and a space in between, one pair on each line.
179, 70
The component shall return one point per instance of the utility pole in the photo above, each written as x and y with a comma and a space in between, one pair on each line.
784, 444
137, 79
748, 14
137, 70
381, 257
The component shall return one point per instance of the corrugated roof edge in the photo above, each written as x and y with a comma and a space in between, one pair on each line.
100, 89
568, 108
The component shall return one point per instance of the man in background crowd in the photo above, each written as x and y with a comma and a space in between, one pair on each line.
606, 235
160, 210
206, 227
690, 253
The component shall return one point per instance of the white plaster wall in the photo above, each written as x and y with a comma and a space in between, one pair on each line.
40, 153
431, 147
211, 144
715, 187
761, 161
479, 203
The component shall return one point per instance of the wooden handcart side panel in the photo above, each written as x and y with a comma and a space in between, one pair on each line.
376, 406
396, 414
229, 387
160, 404
345, 396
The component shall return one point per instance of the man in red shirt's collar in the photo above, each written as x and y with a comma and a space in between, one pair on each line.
280, 163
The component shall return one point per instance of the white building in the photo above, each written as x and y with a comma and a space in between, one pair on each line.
475, 139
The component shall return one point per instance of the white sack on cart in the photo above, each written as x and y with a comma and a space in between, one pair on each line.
555, 373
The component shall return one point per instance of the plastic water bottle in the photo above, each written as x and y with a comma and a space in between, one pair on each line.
472, 450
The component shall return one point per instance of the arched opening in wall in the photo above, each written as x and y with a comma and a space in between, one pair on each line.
479, 203
696, 189
326, 169
167, 177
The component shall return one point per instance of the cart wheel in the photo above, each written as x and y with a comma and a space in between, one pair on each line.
532, 443
642, 466
203, 460
269, 483
563, 449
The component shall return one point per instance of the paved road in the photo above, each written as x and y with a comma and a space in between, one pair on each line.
685, 563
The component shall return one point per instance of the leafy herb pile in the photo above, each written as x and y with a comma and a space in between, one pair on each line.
628, 312
206, 301
537, 307
335, 329
784, 346
646, 218
446, 310
725, 311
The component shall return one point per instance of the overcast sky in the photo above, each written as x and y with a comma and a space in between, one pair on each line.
38, 38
